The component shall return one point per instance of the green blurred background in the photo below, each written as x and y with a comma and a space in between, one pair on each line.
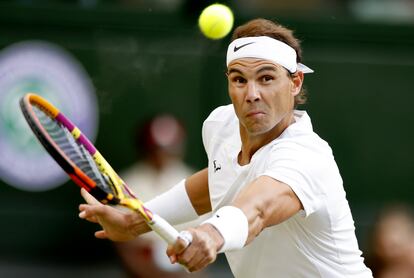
145, 57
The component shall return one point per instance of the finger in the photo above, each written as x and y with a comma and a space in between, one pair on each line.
183, 241
173, 259
194, 260
101, 234
171, 255
93, 210
89, 198
177, 249
92, 219
82, 214
170, 250
200, 261
84, 207
193, 263
189, 257
91, 213
200, 265
186, 236
87, 211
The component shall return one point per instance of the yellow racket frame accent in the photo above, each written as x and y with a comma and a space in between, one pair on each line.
76, 133
116, 182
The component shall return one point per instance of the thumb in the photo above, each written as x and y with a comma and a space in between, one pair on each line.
101, 234
88, 197
171, 254
182, 242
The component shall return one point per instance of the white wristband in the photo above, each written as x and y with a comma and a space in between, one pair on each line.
173, 205
233, 226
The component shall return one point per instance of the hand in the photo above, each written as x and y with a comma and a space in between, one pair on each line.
117, 225
202, 250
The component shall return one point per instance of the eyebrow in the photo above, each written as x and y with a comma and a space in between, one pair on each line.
270, 68
233, 70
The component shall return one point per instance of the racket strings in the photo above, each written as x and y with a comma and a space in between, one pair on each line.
72, 149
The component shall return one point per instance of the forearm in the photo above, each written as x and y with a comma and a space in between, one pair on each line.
197, 190
263, 203
266, 202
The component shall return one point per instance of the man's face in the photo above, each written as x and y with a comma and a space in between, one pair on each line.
262, 93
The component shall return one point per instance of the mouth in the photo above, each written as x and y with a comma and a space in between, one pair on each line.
255, 113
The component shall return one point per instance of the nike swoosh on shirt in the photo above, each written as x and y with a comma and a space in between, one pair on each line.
236, 48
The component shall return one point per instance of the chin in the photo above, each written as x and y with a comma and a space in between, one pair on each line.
257, 129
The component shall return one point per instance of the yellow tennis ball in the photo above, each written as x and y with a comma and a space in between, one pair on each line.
216, 21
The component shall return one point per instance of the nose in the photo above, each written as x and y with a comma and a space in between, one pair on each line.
253, 93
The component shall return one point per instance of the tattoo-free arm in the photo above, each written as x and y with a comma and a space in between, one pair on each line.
197, 190
266, 202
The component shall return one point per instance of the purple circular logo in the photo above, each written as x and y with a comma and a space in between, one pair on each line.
47, 70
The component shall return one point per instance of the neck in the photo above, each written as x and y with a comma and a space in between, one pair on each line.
253, 142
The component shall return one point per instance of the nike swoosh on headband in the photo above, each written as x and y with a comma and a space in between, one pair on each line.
266, 48
236, 48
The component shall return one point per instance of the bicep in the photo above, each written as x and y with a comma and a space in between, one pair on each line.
197, 190
266, 202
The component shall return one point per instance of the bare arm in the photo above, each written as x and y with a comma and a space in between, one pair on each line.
266, 202
197, 190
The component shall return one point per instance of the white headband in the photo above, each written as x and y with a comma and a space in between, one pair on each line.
265, 48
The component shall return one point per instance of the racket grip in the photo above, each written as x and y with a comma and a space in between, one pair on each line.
164, 229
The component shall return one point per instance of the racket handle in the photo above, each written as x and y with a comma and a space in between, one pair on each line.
164, 229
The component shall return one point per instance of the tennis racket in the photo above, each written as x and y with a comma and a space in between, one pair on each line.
84, 164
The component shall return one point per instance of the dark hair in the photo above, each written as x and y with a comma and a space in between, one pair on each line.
263, 27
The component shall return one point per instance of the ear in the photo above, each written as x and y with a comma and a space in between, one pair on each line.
297, 81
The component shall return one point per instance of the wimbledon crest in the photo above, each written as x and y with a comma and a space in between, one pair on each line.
47, 70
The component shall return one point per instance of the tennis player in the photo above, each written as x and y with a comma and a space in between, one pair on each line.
272, 184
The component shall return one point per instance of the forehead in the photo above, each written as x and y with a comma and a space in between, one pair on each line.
245, 65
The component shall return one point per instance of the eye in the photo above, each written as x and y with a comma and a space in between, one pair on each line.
267, 78
239, 80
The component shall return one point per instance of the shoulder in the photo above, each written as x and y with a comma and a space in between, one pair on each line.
310, 171
221, 120
221, 124
300, 138
300, 152
305, 152
221, 114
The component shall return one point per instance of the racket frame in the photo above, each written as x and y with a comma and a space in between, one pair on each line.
154, 221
